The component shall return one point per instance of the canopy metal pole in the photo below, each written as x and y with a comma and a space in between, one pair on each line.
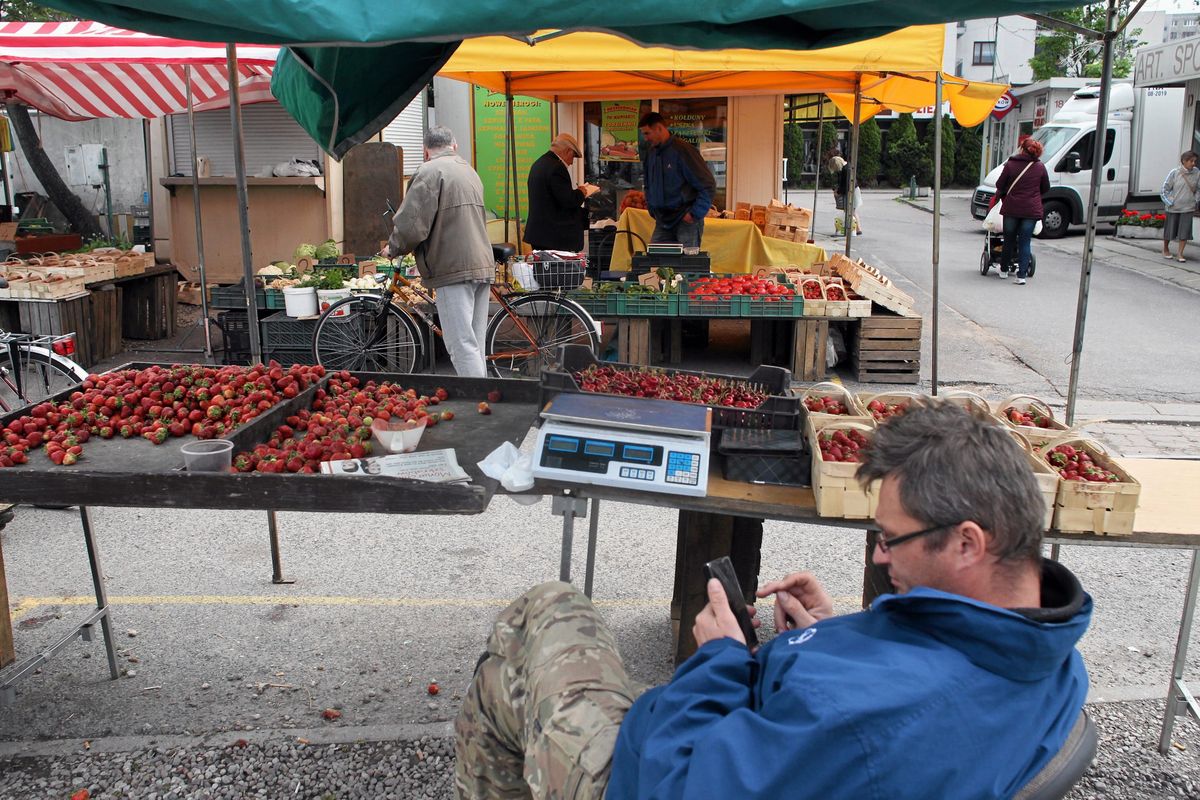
1085, 270
516, 187
239, 168
208, 354
820, 163
852, 178
508, 100
937, 226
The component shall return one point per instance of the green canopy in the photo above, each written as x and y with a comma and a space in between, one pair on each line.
364, 60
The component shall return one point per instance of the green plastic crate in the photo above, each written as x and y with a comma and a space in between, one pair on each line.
235, 296
596, 304
648, 305
274, 299
725, 305
775, 307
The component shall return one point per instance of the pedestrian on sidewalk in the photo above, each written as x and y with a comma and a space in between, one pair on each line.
1179, 192
842, 192
1020, 187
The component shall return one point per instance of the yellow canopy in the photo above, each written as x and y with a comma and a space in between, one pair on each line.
896, 70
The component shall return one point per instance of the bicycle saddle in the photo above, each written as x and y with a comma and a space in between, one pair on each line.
502, 252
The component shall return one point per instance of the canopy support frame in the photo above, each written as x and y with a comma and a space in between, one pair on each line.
243, 195
937, 230
852, 177
208, 352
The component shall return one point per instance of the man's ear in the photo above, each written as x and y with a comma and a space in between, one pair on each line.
971, 542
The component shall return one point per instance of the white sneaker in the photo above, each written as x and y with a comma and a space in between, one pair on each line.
1003, 274
1019, 281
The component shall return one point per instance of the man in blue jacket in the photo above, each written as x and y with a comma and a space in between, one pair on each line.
963, 684
679, 184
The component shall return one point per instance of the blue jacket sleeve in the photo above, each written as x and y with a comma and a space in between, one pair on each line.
703, 737
697, 173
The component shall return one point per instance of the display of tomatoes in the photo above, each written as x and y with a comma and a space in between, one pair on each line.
710, 288
841, 445
663, 385
1076, 464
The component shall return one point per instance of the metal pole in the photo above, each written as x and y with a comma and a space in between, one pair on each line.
507, 154
108, 212
1179, 698
937, 225
98, 584
820, 163
239, 167
852, 178
1089, 241
208, 354
512, 138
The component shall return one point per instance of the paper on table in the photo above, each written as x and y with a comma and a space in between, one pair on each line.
435, 466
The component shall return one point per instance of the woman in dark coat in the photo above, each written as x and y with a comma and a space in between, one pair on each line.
1021, 185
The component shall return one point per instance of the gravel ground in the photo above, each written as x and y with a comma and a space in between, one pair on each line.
1128, 767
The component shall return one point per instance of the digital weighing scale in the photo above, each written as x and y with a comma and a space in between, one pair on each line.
628, 442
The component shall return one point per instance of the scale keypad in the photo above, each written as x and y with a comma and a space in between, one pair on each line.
637, 473
683, 468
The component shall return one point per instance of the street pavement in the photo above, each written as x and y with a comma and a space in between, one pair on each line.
212, 652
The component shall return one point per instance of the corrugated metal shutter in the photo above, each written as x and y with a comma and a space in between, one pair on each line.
268, 131
407, 131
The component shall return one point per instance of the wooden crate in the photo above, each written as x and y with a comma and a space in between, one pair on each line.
106, 322
870, 283
56, 317
887, 349
835, 488
809, 337
835, 307
126, 266
148, 307
837, 391
812, 308
1027, 402
1086, 507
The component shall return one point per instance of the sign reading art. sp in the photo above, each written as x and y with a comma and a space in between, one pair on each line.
533, 132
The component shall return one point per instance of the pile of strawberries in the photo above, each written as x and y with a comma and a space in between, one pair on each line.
839, 445
1075, 464
702, 390
881, 410
826, 405
338, 426
155, 403
812, 290
835, 292
718, 288
1032, 418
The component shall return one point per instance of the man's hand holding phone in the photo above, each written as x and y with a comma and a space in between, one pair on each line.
726, 613
800, 600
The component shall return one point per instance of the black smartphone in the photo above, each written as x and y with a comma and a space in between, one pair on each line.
722, 570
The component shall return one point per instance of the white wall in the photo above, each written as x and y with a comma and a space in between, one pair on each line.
1014, 37
756, 142
452, 108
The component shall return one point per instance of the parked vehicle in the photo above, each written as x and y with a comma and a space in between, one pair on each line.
1143, 143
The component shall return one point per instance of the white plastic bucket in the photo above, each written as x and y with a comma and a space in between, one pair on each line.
299, 302
327, 297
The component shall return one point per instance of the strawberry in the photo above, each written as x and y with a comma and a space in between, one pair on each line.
494, 396
484, 408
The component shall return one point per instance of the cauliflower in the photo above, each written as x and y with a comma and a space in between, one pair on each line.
327, 249
305, 251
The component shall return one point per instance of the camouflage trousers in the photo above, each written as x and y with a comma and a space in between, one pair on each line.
541, 717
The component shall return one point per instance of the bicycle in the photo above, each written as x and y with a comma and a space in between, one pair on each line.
34, 368
386, 332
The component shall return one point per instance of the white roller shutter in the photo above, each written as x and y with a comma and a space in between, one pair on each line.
269, 133
407, 131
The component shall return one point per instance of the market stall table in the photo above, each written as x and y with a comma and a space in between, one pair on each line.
135, 473
728, 521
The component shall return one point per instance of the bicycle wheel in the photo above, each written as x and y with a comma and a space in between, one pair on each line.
524, 341
39, 375
367, 334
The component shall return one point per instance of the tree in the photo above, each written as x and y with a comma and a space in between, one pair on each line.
25, 11
969, 150
903, 152
947, 149
870, 142
793, 151
68, 202
1060, 53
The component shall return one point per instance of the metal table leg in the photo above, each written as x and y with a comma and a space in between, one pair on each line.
84, 630
1179, 697
569, 507
276, 561
593, 526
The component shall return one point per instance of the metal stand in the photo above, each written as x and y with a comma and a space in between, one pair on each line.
84, 630
593, 527
1179, 697
276, 561
568, 507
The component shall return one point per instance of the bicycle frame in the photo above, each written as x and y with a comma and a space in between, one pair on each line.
18, 344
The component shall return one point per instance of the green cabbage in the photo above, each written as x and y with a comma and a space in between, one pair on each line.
305, 251
327, 249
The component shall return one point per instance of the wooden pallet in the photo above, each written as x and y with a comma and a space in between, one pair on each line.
888, 349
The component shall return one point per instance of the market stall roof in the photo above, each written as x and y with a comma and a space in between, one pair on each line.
85, 70
896, 70
343, 93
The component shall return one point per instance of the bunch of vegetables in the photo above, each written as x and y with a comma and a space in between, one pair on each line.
716, 288
1075, 464
325, 251
844, 446
663, 385
155, 403
338, 425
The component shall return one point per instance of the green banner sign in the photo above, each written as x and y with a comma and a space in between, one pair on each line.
531, 120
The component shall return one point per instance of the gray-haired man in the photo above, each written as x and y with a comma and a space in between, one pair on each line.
442, 223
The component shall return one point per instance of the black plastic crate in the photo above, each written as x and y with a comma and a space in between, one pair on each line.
234, 296
644, 262
778, 412
289, 356
281, 332
778, 457
235, 329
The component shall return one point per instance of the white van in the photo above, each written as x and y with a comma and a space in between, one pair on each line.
1143, 144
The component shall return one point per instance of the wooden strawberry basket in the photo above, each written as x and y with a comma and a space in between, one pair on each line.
814, 307
837, 303
835, 488
1083, 506
829, 389
1045, 475
1038, 408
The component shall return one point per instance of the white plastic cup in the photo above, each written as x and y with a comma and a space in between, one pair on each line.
300, 301
208, 455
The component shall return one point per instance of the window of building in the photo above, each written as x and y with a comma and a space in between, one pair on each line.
984, 54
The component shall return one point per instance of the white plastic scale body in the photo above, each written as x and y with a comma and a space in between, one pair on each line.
629, 442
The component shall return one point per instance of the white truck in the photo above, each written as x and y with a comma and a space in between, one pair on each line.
1143, 144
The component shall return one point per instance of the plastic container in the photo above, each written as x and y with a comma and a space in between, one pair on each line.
300, 302
765, 456
208, 455
327, 297
397, 436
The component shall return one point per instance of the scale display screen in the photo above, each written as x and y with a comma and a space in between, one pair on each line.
585, 454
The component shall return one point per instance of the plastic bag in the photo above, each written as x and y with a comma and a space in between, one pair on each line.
994, 221
296, 168
512, 468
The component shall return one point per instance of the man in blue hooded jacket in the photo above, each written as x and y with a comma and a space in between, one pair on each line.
963, 684
679, 184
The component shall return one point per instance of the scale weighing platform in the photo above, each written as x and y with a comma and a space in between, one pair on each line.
628, 442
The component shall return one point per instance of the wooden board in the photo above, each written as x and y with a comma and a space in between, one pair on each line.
1167, 503
55, 317
633, 340
373, 176
148, 307
8, 653
809, 342
106, 322
887, 349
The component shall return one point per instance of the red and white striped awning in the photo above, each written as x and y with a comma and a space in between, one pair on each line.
85, 70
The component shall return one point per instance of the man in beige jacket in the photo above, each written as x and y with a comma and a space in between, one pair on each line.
443, 224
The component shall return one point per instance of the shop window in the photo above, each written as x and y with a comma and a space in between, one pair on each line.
704, 123
984, 54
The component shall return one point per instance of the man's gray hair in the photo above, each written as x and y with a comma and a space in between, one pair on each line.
439, 137
952, 466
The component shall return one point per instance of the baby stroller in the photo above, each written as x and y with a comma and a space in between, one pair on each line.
993, 254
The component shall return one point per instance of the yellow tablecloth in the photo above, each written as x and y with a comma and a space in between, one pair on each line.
733, 245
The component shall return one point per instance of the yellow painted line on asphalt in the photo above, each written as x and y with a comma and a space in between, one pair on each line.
29, 604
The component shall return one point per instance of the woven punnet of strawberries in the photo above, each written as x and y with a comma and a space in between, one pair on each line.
1075, 463
1027, 411
829, 398
677, 386
887, 404
811, 289
842, 444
